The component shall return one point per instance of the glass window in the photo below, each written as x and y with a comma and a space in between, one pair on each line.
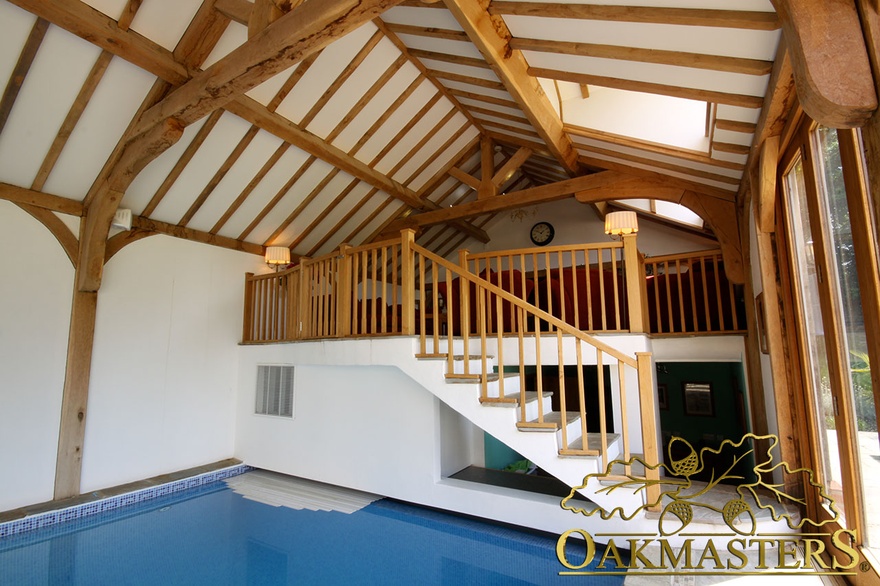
813, 332
846, 285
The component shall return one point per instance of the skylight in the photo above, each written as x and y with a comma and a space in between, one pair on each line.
668, 121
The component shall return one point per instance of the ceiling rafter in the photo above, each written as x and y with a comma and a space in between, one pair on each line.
20, 71
490, 35
279, 195
654, 56
252, 184
84, 21
219, 175
700, 95
401, 46
750, 20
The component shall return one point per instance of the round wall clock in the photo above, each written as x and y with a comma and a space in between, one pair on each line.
542, 233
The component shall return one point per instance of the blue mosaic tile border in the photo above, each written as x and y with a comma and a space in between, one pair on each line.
33, 522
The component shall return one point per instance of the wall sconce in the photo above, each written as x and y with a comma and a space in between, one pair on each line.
277, 256
619, 224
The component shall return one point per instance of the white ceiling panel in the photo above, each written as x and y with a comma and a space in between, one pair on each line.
234, 36
240, 174
165, 21
109, 112
263, 193
220, 142
431, 18
58, 71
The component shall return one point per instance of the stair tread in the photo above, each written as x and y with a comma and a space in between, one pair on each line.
556, 417
594, 441
475, 377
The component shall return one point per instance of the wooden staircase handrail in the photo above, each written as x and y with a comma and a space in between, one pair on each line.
530, 309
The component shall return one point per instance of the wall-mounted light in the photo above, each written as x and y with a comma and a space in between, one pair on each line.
277, 257
619, 224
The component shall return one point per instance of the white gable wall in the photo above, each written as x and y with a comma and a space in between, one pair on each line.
35, 296
164, 364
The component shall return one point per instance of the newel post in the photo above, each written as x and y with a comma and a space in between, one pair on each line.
408, 282
247, 326
648, 416
634, 278
344, 292
304, 301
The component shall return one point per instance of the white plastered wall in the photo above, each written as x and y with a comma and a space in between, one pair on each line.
164, 365
577, 223
35, 297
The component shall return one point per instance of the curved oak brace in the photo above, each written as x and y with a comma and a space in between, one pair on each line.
123, 239
831, 67
718, 214
59, 230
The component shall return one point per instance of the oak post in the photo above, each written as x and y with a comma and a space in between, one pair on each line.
247, 325
305, 294
344, 293
634, 280
68, 467
649, 427
408, 282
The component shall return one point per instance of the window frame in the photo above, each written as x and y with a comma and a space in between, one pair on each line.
803, 144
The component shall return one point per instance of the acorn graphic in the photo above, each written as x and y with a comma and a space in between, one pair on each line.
675, 517
687, 465
739, 517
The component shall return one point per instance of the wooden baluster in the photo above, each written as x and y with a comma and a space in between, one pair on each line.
680, 295
582, 399
547, 279
435, 307
481, 318
657, 311
395, 321
374, 305
385, 289
561, 272
603, 424
690, 264
718, 294
520, 328
624, 421
563, 412
536, 290
574, 288
364, 293
499, 355
668, 296
705, 294
464, 310
449, 325
733, 315
539, 374
615, 283
423, 341
600, 256
589, 292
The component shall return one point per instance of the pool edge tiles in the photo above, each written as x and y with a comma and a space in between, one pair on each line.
40, 520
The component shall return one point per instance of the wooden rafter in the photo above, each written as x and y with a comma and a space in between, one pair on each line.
401, 46
656, 56
490, 35
678, 16
288, 40
20, 71
700, 95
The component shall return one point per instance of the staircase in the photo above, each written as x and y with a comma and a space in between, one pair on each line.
516, 424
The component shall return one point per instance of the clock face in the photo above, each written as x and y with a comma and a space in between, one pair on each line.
542, 233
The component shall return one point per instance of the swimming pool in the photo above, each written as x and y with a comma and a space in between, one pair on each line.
211, 535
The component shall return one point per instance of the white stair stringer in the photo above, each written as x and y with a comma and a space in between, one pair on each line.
542, 448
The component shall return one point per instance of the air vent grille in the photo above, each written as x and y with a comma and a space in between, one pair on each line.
274, 390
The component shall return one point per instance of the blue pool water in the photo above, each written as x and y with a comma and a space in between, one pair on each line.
213, 536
